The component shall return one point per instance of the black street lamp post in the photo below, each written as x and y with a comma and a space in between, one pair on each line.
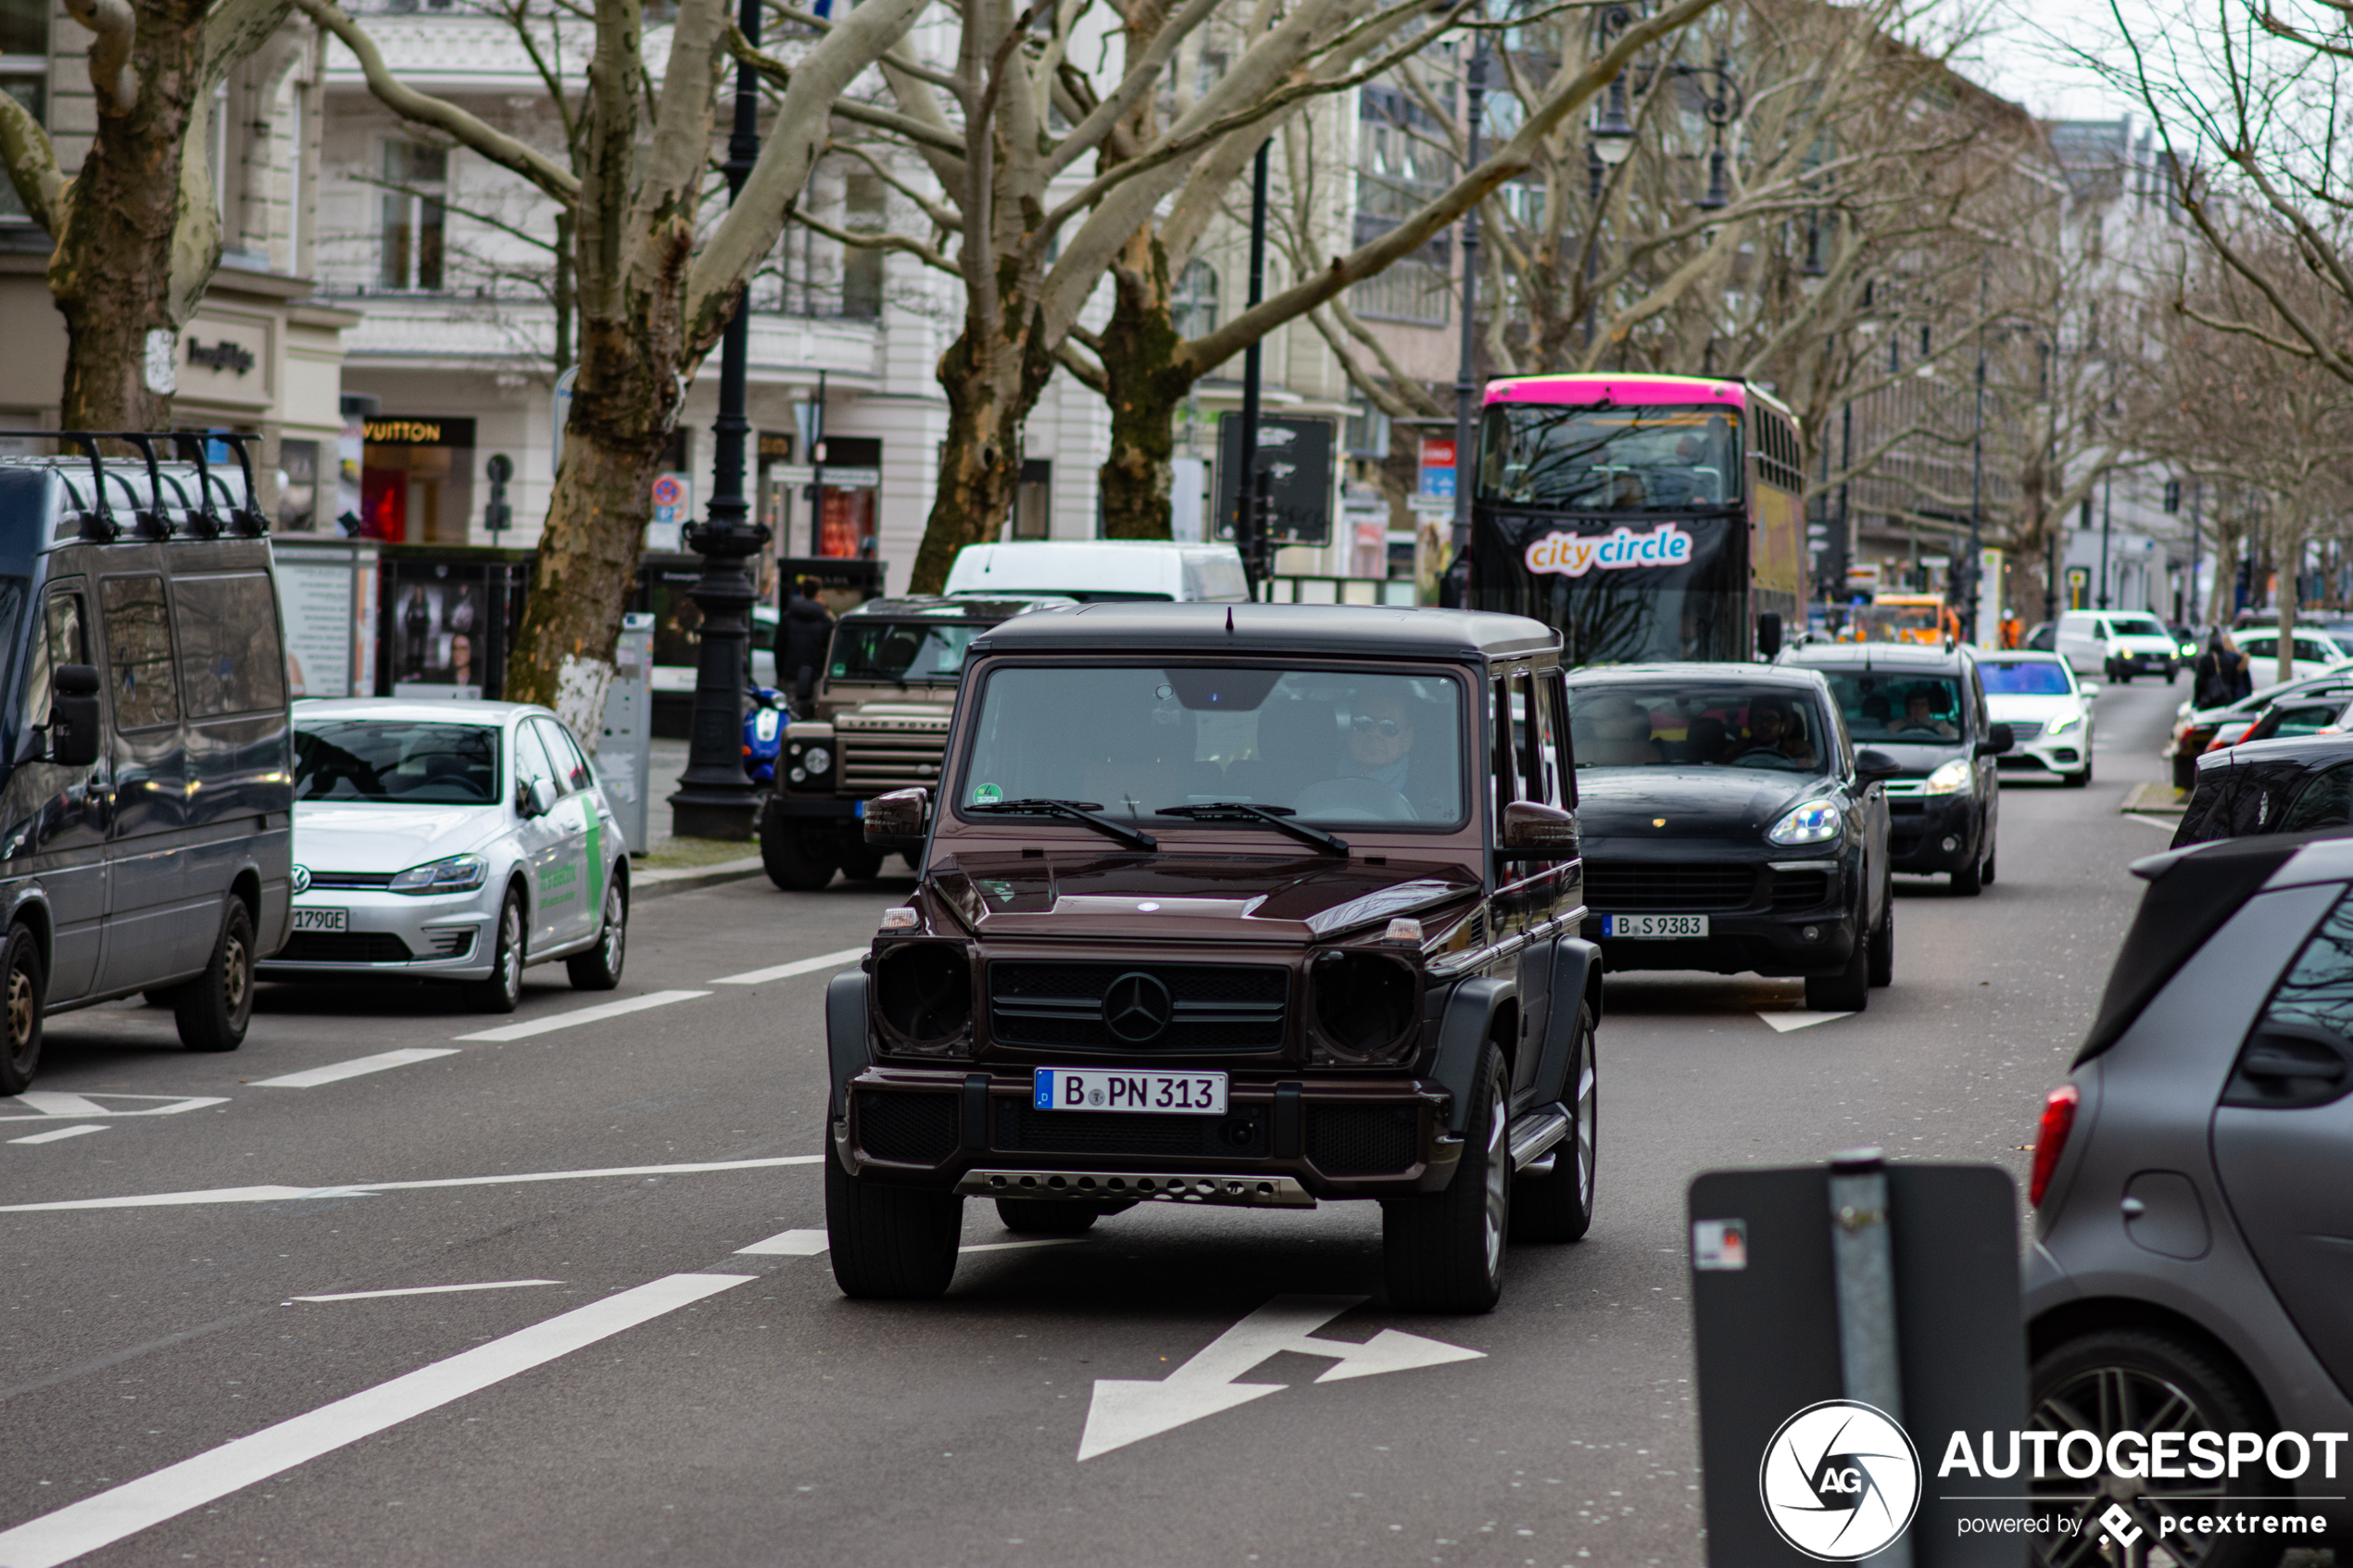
1466, 369
1251, 518
714, 798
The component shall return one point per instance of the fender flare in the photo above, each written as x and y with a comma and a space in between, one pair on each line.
1463, 1032
1576, 967
847, 1049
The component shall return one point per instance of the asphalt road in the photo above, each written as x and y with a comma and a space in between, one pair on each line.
641, 1389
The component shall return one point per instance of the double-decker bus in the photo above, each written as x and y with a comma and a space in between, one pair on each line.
1647, 517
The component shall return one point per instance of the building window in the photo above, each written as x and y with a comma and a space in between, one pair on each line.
415, 223
24, 74
1034, 499
865, 208
1367, 432
1193, 303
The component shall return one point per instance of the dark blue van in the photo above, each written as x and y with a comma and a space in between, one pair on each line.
146, 790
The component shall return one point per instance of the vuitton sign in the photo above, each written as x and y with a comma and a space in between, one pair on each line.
398, 431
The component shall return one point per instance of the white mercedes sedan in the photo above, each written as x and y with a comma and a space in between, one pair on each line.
453, 841
2048, 711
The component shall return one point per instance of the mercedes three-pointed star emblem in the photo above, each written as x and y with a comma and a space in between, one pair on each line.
1136, 1007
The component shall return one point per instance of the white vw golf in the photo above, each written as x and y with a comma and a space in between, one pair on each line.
456, 841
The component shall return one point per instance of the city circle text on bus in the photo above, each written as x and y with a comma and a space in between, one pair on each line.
1573, 555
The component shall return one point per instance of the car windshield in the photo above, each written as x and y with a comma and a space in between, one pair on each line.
407, 762
1692, 724
1330, 747
1632, 458
2136, 626
2025, 678
1889, 705
907, 651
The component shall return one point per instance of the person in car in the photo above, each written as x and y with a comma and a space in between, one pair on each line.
1919, 719
1773, 726
1380, 742
1621, 732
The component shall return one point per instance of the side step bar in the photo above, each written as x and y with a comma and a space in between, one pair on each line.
1248, 1192
1534, 1135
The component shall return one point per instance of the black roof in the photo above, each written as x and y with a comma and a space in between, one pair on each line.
935, 606
1695, 669
2311, 751
1356, 630
1880, 656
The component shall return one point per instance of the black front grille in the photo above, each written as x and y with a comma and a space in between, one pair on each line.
916, 1129
1027, 1130
345, 946
1212, 1006
1668, 888
1362, 1140
1800, 890
351, 879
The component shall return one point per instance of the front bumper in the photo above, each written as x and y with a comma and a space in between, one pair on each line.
1763, 932
2142, 664
441, 937
1919, 828
1284, 1141
2063, 753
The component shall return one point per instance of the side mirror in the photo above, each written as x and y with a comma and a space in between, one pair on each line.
1768, 635
1534, 831
899, 818
535, 798
1997, 740
1872, 765
2089, 688
75, 721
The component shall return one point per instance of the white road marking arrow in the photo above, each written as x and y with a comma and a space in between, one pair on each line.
1128, 1411
1783, 1023
50, 1102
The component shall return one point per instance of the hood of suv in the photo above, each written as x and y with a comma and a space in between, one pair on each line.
1253, 898
1736, 803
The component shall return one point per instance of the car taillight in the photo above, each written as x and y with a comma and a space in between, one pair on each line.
2050, 1139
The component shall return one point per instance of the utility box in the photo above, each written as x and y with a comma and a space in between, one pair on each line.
625, 741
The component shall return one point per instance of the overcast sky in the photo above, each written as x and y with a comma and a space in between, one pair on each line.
2023, 57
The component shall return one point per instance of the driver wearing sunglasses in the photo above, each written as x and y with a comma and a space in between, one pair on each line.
1380, 742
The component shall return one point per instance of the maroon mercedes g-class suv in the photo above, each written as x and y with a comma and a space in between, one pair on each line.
1256, 905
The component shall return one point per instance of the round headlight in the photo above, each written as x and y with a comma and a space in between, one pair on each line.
923, 991
817, 759
1362, 1005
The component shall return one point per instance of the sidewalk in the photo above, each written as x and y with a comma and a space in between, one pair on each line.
679, 865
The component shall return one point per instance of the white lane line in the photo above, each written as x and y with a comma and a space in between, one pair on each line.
597, 1014
788, 1243
1009, 1246
2157, 822
361, 1189
51, 1103
1783, 1023
426, 1290
122, 1512
312, 1077
799, 966
45, 1103
60, 1133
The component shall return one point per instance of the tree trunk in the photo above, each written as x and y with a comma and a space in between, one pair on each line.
1145, 390
111, 271
980, 461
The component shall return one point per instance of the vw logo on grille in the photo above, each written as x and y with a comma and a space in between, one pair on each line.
302, 879
1136, 1007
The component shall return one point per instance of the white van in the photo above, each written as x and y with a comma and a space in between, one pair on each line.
2118, 643
1102, 569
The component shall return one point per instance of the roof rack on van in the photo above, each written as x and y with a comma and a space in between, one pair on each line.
203, 518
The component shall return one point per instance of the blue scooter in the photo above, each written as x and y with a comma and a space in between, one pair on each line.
764, 735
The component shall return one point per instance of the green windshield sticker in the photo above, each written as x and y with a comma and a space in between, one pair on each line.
986, 795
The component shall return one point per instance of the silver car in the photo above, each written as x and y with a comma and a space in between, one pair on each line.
457, 841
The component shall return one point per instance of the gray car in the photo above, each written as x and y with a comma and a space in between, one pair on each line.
2193, 1263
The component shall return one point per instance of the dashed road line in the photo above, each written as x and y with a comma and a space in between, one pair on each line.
1014, 1246
578, 1016
424, 1290
788, 1243
799, 966
60, 1133
311, 1078
363, 1189
125, 1510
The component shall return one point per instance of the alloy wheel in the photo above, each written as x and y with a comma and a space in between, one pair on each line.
2103, 1401
510, 948
237, 974
1588, 1129
1498, 1179
616, 930
21, 1014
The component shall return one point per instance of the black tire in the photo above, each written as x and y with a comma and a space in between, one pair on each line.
1969, 880
2152, 1382
913, 860
1444, 1252
1559, 1206
1990, 855
598, 969
213, 1009
797, 859
2082, 776
1045, 1216
502, 988
1880, 953
1847, 991
861, 862
887, 1243
27, 995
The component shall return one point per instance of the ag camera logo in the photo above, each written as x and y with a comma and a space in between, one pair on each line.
1840, 1481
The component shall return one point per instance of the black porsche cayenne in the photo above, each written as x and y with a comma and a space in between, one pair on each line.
1729, 825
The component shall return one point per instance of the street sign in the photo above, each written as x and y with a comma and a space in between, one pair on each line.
623, 745
1437, 468
1297, 453
1772, 1343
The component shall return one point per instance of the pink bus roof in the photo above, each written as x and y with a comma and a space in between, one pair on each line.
1616, 389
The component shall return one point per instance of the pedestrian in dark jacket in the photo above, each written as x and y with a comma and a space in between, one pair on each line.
803, 634
2221, 674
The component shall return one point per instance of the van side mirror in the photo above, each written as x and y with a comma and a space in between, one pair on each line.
1768, 635
1531, 831
535, 798
1872, 765
897, 819
75, 721
1998, 739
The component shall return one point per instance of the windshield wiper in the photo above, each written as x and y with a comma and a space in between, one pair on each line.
1070, 811
1277, 816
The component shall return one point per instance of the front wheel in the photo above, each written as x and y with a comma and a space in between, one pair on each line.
598, 969
1847, 991
213, 1009
1443, 1251
503, 988
796, 859
861, 863
1558, 1206
28, 992
1881, 951
1969, 880
889, 1243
